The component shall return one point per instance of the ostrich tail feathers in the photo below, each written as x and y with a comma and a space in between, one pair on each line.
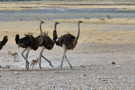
3, 42
17, 38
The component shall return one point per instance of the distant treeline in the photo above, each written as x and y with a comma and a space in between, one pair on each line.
115, 1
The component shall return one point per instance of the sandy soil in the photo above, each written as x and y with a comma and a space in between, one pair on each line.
66, 4
92, 30
98, 46
92, 64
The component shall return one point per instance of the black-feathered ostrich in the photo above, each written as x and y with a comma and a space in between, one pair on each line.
29, 42
67, 42
3, 42
48, 43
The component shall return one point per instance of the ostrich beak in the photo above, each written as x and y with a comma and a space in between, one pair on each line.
42, 22
57, 23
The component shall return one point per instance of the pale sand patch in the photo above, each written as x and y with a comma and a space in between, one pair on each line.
92, 64
85, 4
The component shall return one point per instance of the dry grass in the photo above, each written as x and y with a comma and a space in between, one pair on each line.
89, 33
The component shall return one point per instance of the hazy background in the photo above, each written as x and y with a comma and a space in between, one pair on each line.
99, 1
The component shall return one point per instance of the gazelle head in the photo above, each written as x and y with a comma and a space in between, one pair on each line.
37, 59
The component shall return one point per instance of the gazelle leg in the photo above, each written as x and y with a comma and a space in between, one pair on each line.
36, 64
17, 57
14, 58
48, 61
30, 64
40, 55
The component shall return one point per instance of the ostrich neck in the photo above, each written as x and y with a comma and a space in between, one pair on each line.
41, 29
55, 27
78, 34
55, 36
41, 36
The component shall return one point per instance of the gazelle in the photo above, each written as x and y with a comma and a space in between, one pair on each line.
34, 62
14, 54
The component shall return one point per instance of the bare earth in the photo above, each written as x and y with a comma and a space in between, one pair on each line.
100, 44
92, 64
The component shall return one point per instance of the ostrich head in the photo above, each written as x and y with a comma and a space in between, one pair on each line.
80, 22
57, 23
55, 36
41, 35
78, 30
42, 22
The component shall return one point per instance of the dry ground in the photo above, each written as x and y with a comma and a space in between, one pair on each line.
100, 44
113, 31
92, 58
92, 64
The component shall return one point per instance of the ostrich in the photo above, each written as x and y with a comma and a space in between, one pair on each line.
3, 42
67, 42
29, 42
48, 43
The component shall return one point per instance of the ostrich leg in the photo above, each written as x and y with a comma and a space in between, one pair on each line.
61, 65
68, 62
44, 58
27, 63
40, 57
28, 50
48, 61
65, 50
24, 56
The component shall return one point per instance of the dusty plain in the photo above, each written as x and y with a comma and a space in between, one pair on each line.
100, 44
6, 6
